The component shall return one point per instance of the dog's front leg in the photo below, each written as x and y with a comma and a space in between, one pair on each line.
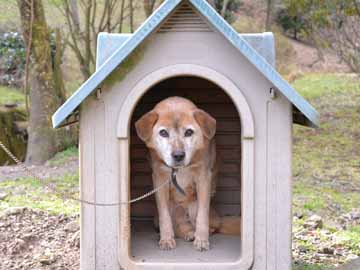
167, 240
203, 188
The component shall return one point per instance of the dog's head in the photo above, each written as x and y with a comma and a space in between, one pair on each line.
176, 129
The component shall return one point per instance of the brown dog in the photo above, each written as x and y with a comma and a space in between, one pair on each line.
179, 135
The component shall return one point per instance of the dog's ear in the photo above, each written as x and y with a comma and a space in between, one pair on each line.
145, 125
206, 123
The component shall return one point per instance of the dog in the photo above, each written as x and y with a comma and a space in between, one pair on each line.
181, 136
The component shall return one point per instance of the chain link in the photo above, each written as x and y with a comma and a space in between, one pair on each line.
65, 196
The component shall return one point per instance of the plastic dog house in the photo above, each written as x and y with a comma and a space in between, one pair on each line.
186, 49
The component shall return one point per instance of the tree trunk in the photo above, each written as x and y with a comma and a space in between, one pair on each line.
149, 7
268, 16
131, 16
44, 97
121, 20
74, 9
224, 8
212, 3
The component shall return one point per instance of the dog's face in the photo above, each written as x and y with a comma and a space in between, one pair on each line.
176, 130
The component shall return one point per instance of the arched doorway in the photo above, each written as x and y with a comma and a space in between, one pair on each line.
218, 96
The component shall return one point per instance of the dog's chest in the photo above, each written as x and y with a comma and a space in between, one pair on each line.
185, 181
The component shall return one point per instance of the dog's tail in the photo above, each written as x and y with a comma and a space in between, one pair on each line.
230, 225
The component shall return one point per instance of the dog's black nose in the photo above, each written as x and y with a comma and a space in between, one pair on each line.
178, 155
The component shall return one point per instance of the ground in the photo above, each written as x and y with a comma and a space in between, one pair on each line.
326, 198
39, 230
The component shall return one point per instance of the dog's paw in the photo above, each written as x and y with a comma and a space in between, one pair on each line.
190, 236
167, 244
201, 244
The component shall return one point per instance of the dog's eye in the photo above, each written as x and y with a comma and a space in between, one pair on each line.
164, 133
189, 133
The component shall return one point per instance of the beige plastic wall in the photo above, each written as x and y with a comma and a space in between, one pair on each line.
100, 151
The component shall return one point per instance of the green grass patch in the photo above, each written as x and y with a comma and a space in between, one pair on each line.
349, 238
329, 155
31, 193
315, 85
11, 95
62, 157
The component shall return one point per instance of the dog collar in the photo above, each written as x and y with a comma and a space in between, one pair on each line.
175, 183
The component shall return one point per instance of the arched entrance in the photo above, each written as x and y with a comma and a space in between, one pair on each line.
218, 96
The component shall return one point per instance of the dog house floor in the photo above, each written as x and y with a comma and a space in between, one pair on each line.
144, 247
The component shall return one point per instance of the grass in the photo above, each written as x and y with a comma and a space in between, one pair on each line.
326, 161
61, 158
316, 85
29, 192
11, 95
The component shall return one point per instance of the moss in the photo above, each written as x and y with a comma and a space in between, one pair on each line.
13, 138
11, 96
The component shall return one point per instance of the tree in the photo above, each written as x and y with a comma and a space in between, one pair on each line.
226, 8
104, 16
268, 15
149, 7
45, 95
328, 24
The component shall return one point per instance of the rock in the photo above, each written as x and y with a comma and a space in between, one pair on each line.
3, 196
314, 222
28, 236
298, 215
75, 240
8, 135
352, 265
17, 246
14, 211
303, 249
46, 258
72, 226
355, 215
328, 250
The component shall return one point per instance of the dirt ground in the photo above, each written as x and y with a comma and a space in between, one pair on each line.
45, 171
32, 239
308, 59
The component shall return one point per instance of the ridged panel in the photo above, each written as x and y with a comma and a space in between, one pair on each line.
185, 19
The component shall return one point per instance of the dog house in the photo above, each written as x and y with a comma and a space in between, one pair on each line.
186, 49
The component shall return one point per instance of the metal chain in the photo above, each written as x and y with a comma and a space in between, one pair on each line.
64, 196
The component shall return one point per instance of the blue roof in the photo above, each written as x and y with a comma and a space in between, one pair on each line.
308, 115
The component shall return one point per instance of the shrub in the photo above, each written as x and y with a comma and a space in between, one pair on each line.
231, 10
12, 58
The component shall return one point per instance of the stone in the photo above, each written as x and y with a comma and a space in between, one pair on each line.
47, 258
3, 196
314, 222
303, 249
355, 215
72, 226
352, 265
75, 239
328, 250
14, 211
